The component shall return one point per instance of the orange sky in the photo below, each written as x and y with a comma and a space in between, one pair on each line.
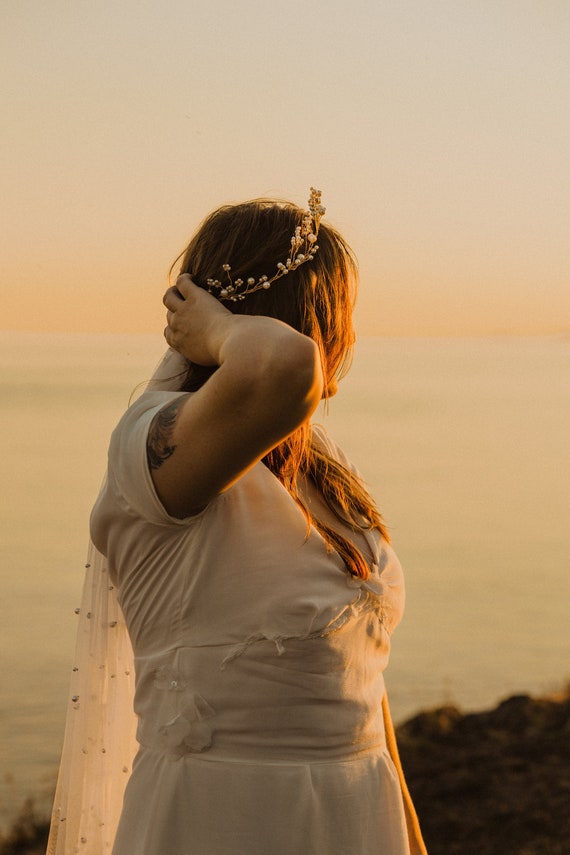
438, 132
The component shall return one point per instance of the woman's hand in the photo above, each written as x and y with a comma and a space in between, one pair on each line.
268, 383
196, 322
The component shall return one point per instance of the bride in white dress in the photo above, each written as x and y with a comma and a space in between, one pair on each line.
254, 575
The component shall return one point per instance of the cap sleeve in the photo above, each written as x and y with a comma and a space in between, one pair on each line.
129, 476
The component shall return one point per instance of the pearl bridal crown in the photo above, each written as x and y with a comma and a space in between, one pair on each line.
303, 248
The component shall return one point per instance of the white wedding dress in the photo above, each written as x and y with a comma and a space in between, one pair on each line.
259, 675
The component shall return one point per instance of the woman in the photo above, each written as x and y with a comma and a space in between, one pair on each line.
253, 569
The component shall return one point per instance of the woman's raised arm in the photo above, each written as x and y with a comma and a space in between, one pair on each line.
269, 382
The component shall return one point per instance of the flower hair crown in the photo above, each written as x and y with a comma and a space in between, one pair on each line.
303, 248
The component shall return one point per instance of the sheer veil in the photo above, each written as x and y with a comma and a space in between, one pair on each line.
99, 743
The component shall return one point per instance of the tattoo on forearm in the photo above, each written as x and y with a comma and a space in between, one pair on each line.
159, 442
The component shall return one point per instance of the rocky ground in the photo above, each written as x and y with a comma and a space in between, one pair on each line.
490, 783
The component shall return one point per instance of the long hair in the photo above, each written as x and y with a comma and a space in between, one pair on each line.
317, 299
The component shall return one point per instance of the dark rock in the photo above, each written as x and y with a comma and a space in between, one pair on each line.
495, 782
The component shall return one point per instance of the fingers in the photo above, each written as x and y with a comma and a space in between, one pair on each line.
184, 284
190, 310
170, 331
172, 337
172, 299
176, 295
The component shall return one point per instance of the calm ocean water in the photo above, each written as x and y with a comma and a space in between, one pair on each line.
464, 443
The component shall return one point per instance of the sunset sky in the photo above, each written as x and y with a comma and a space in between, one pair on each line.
438, 131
